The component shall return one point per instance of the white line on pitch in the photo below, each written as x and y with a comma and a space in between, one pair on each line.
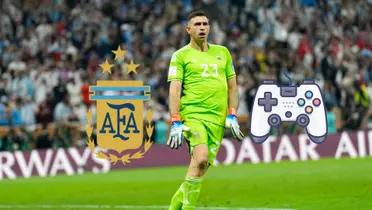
82, 206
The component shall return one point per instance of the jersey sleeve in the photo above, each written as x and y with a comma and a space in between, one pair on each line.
175, 71
230, 71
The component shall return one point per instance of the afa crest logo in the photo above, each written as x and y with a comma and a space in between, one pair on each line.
119, 121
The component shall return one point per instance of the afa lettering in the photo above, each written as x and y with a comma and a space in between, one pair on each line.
107, 124
130, 125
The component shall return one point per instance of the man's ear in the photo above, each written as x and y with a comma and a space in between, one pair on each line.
187, 28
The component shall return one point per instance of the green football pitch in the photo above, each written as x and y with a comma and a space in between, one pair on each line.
323, 184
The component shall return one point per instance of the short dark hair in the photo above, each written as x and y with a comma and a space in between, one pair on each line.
196, 13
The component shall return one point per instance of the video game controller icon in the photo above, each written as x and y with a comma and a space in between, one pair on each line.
302, 104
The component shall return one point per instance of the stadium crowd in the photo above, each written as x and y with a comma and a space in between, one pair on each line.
50, 53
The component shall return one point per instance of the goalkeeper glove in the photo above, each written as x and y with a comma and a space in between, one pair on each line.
232, 122
175, 136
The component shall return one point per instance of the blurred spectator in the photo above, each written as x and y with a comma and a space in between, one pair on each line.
10, 114
63, 112
44, 114
43, 139
27, 109
64, 115
161, 131
3, 111
60, 93
331, 121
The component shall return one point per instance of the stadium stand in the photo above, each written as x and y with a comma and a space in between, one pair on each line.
50, 53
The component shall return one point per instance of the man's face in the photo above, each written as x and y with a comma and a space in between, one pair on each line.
198, 28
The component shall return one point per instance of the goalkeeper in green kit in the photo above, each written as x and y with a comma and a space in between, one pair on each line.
203, 98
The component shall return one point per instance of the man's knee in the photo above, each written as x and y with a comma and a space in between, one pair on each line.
200, 158
202, 163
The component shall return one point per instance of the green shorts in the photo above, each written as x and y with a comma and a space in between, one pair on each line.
204, 132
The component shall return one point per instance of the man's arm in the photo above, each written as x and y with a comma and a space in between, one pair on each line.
233, 93
231, 119
175, 135
174, 97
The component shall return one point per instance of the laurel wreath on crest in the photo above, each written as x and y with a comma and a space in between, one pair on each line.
126, 158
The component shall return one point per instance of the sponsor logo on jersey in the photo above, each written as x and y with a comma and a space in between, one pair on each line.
172, 71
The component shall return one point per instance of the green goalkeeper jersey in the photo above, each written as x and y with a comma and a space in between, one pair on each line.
204, 78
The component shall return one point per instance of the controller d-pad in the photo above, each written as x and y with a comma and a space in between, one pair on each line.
267, 102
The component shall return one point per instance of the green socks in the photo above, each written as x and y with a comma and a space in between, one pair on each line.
176, 202
187, 195
191, 191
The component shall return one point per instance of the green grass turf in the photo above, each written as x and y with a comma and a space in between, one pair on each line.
323, 184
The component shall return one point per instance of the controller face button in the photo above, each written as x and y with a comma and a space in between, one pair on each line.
316, 102
288, 114
301, 102
308, 94
274, 120
309, 109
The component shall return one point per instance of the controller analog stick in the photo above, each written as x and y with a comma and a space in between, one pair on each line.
274, 120
303, 120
